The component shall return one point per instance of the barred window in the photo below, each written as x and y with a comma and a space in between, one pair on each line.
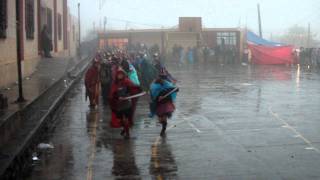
29, 15
230, 38
3, 19
59, 27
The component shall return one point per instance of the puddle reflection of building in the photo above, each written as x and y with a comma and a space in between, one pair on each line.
92, 125
162, 162
272, 72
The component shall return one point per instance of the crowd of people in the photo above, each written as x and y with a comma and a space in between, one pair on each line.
193, 55
308, 56
122, 76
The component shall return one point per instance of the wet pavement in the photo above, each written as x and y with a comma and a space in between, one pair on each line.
231, 123
48, 71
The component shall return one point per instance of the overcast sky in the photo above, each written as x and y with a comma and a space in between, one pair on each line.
277, 15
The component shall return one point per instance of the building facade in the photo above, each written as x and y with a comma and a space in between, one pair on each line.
34, 14
189, 33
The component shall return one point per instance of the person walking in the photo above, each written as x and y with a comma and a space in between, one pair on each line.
121, 106
163, 94
92, 83
160, 68
46, 42
106, 77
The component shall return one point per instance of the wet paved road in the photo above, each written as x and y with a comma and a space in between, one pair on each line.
231, 123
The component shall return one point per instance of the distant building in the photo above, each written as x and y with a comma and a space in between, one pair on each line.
189, 33
36, 14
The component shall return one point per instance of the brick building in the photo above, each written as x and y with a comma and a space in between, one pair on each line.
189, 33
34, 14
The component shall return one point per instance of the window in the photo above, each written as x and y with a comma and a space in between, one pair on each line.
3, 19
59, 27
29, 6
229, 38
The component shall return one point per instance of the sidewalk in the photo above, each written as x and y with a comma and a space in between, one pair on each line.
20, 123
47, 73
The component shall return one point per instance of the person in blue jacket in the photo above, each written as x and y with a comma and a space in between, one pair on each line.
163, 95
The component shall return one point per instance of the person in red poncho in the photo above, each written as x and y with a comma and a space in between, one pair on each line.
123, 109
92, 83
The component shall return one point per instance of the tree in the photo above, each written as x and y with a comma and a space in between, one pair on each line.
298, 36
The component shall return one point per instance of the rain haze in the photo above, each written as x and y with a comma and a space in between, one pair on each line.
277, 15
159, 89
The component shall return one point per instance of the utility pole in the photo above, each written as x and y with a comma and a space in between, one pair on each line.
79, 26
104, 36
259, 20
100, 25
19, 54
309, 35
127, 25
104, 24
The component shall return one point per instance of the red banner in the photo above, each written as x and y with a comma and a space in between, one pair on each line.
271, 54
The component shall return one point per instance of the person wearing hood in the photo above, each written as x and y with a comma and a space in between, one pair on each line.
115, 64
122, 108
160, 68
190, 55
46, 42
148, 73
92, 83
106, 77
130, 71
163, 94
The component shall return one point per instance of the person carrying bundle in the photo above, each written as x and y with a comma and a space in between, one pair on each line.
122, 97
163, 94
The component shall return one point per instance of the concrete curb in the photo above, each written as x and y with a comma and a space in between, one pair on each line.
12, 122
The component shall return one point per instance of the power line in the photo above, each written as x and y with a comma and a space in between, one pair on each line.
134, 22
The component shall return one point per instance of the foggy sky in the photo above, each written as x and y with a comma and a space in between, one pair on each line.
277, 15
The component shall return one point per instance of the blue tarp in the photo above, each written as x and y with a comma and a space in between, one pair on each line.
255, 39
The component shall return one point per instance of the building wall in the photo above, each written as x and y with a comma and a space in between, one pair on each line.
58, 46
8, 68
31, 55
73, 38
170, 38
60, 12
209, 38
190, 24
184, 39
147, 38
189, 34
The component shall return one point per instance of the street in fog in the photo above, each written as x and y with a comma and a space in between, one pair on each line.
236, 122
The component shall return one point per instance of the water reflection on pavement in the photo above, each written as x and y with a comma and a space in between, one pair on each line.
232, 122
